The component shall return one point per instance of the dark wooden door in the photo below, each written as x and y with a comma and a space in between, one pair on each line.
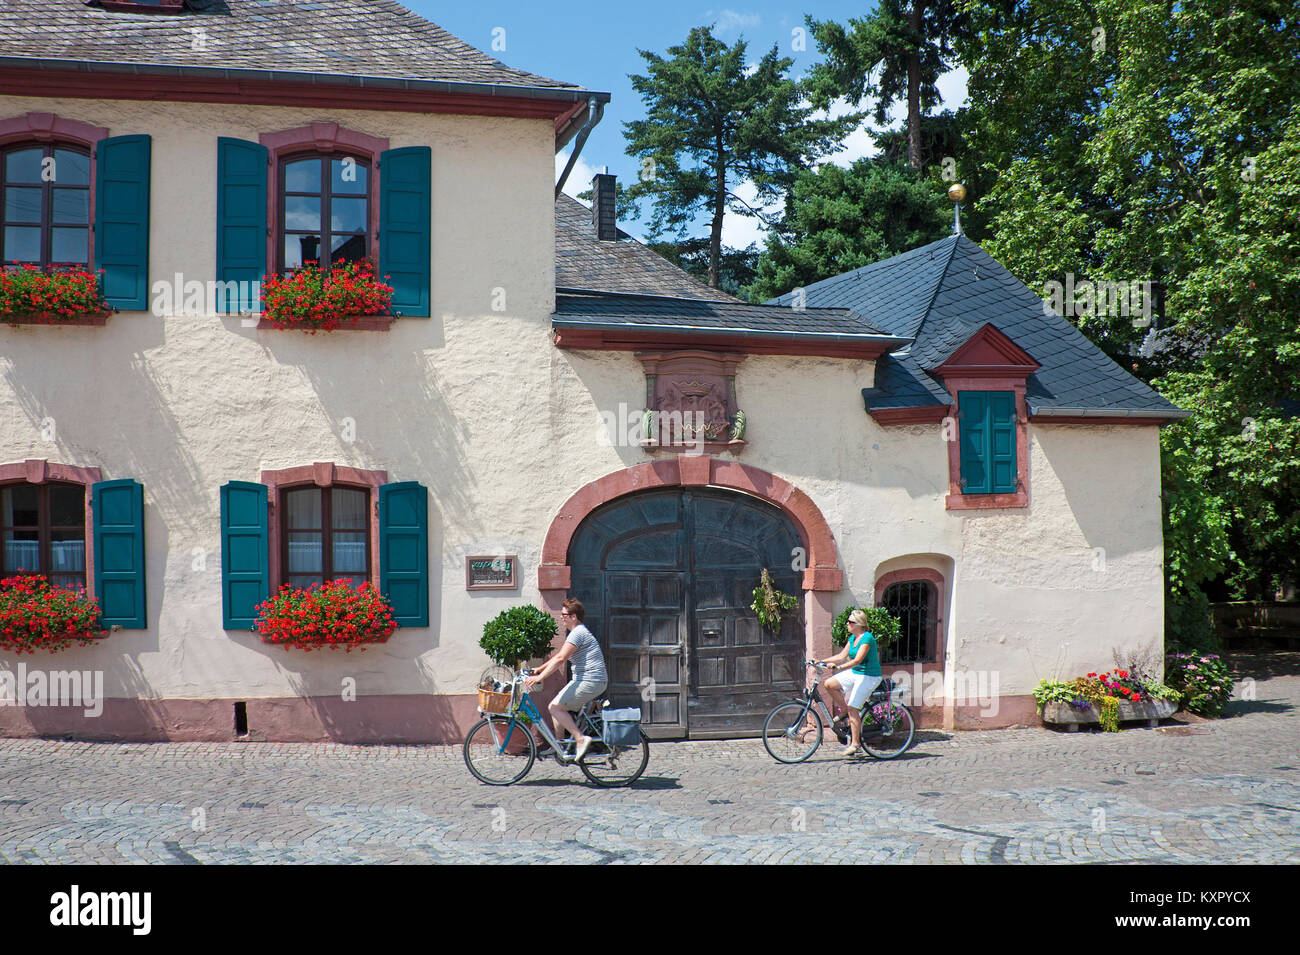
738, 670
667, 578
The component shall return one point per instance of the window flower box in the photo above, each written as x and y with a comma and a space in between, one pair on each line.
36, 615
333, 614
312, 298
33, 296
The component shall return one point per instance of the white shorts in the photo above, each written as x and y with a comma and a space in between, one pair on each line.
856, 686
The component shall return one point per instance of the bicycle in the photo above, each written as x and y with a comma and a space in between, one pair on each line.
500, 749
793, 731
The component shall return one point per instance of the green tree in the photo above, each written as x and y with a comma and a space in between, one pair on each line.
736, 267
841, 219
1140, 140
905, 45
715, 121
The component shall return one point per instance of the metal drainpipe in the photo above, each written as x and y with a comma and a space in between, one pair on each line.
597, 110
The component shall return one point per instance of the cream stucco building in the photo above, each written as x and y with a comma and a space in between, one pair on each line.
919, 433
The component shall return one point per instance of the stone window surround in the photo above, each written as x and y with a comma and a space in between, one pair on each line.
326, 139
40, 471
322, 474
956, 500
935, 579
43, 129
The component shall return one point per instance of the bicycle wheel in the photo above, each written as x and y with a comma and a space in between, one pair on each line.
611, 766
887, 745
492, 762
792, 732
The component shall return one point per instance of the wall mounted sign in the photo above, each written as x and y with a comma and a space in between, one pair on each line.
492, 572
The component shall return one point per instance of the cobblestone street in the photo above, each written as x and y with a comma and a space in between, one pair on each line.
1223, 791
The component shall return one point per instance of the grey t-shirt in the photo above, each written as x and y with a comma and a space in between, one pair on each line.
588, 662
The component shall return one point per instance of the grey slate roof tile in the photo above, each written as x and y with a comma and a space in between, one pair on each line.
604, 308
941, 294
376, 38
584, 262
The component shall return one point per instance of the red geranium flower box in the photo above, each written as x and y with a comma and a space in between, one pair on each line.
36, 615
33, 296
315, 299
333, 614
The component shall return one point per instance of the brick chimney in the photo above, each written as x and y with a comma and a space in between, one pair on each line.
602, 206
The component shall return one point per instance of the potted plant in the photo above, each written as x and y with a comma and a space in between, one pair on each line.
314, 298
333, 614
36, 615
30, 295
513, 637
517, 635
881, 624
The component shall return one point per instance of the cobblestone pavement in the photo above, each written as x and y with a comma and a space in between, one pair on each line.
1224, 791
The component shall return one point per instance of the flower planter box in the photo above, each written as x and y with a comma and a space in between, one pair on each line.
1065, 714
358, 323
91, 318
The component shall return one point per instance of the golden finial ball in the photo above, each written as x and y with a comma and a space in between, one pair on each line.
956, 192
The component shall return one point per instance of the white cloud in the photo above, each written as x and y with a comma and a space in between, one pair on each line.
952, 87
739, 231
857, 145
579, 178
730, 21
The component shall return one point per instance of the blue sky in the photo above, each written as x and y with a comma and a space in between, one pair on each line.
596, 47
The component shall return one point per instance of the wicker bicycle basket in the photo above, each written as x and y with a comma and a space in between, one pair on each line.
490, 701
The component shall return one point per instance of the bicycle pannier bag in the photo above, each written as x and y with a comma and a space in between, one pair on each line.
622, 727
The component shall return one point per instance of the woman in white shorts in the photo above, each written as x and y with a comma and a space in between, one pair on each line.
857, 672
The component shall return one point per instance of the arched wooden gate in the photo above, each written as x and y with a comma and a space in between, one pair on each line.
667, 577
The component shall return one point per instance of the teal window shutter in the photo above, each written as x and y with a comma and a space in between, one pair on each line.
122, 219
245, 553
973, 434
1002, 442
241, 219
404, 551
118, 512
405, 194
987, 432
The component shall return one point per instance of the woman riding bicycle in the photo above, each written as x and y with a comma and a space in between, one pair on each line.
857, 672
589, 676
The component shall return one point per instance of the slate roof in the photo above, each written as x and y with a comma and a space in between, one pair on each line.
595, 309
942, 293
584, 262
372, 38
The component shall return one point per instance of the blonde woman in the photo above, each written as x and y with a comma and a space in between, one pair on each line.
856, 672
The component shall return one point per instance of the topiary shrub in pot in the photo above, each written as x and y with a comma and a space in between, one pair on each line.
881, 624
518, 634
